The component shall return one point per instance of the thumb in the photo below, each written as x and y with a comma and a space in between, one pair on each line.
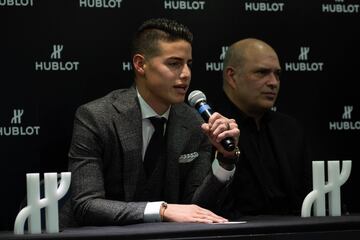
205, 128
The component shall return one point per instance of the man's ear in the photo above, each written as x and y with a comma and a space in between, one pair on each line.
139, 63
229, 77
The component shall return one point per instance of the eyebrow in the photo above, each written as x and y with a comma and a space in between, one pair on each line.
179, 59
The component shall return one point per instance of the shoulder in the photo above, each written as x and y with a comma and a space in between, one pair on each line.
105, 102
187, 113
102, 108
285, 122
281, 117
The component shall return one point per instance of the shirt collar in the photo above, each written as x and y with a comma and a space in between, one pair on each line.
240, 116
147, 111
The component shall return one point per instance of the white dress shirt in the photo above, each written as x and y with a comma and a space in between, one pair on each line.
152, 209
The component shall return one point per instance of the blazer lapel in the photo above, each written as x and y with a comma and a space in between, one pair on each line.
128, 124
177, 137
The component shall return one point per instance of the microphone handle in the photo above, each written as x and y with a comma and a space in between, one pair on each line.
228, 144
204, 110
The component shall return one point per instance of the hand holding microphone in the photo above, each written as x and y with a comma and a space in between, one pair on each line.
218, 127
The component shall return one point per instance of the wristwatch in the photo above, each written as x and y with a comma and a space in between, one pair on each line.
220, 157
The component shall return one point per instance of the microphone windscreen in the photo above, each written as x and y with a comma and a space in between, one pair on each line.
195, 97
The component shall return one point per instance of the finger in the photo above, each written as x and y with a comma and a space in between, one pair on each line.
217, 220
205, 127
229, 127
231, 124
215, 217
214, 118
219, 126
233, 133
210, 219
205, 213
216, 124
201, 220
224, 127
219, 121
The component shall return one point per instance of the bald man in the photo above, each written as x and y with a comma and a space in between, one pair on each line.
272, 174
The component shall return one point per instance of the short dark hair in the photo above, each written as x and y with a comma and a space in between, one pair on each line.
151, 31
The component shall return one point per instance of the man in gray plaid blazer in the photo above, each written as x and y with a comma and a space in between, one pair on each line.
111, 134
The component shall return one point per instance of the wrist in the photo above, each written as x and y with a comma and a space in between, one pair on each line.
226, 166
229, 159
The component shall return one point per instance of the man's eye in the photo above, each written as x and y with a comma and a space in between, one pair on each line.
174, 64
263, 72
278, 73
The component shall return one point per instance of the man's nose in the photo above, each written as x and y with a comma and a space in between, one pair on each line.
185, 72
273, 80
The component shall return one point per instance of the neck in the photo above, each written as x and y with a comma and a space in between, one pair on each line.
256, 114
157, 106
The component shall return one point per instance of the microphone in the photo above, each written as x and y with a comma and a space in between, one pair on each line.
197, 99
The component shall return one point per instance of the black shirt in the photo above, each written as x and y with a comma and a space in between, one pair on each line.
258, 186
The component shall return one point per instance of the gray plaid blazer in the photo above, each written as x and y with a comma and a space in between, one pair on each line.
105, 159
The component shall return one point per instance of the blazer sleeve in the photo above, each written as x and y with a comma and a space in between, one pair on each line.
201, 186
86, 163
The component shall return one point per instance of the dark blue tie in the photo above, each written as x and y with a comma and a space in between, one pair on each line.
156, 148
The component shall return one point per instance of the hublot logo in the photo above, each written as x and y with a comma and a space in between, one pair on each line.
217, 66
16, 128
347, 123
263, 7
56, 65
340, 7
100, 3
304, 65
184, 5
